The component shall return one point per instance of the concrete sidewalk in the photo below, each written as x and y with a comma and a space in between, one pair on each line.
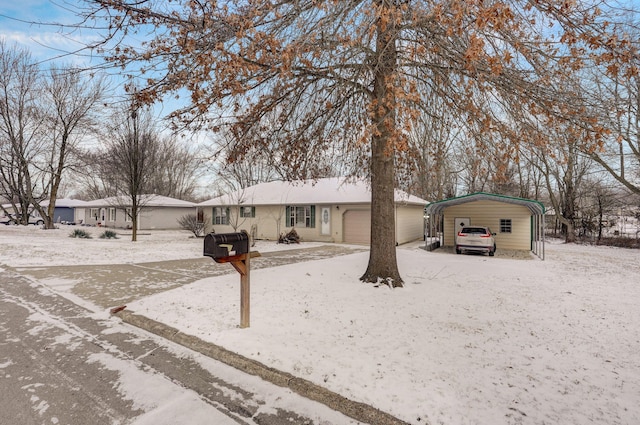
113, 286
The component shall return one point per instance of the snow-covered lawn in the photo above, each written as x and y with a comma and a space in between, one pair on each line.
469, 340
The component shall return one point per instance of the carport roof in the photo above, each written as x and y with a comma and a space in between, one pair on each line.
536, 208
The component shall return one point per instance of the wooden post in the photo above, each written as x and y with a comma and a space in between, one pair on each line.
242, 265
245, 294
218, 247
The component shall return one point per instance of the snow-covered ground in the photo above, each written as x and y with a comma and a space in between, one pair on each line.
469, 340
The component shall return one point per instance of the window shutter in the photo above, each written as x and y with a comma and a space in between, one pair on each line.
253, 212
287, 217
226, 220
313, 216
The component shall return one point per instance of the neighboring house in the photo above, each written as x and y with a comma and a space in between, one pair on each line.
326, 210
517, 222
157, 212
67, 210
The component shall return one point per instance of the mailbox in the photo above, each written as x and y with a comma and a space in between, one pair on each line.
224, 245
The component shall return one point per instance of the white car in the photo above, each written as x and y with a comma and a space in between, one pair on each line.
475, 239
33, 219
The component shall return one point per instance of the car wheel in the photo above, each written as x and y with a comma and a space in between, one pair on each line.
39, 223
458, 251
493, 251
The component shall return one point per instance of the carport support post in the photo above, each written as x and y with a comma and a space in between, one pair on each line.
243, 266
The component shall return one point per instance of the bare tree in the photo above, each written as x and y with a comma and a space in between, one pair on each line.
176, 176
598, 201
564, 169
130, 156
22, 131
617, 96
71, 99
232, 174
178, 172
431, 170
43, 120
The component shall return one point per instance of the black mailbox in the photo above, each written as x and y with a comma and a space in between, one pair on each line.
223, 245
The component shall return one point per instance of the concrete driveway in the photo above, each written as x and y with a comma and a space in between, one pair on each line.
113, 285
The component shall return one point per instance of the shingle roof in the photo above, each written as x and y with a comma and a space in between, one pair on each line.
147, 200
322, 191
66, 203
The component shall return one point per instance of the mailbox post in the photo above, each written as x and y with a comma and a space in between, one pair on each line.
233, 248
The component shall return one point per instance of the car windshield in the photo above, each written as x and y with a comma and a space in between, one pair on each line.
474, 230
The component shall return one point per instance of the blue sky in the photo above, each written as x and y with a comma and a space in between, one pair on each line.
47, 29
32, 24
28, 23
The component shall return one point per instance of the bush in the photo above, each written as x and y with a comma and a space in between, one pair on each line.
78, 233
190, 222
109, 234
291, 237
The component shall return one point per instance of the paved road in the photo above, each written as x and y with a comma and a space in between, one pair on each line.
63, 364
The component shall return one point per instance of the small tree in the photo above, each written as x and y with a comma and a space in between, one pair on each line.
122, 169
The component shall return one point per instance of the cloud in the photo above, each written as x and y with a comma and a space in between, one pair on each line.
52, 46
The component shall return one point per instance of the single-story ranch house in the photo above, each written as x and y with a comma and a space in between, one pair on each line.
325, 210
157, 212
517, 222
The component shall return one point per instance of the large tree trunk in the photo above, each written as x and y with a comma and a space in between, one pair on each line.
383, 266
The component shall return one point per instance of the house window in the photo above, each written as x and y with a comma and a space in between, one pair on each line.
220, 215
94, 213
304, 216
199, 215
505, 225
112, 214
127, 216
247, 212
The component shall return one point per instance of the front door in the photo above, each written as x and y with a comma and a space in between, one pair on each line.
325, 228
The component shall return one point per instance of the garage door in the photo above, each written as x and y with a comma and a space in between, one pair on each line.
357, 226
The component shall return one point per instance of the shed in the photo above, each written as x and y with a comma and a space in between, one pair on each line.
517, 222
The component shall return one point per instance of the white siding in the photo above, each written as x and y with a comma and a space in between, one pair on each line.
349, 223
159, 217
409, 223
79, 215
266, 221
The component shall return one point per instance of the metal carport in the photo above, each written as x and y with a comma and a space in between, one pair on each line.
435, 213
